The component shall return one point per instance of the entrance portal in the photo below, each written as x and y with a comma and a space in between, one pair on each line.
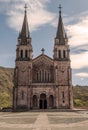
43, 102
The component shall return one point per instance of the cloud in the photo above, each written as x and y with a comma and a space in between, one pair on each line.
79, 61
79, 49
83, 75
78, 31
37, 14
76, 27
78, 39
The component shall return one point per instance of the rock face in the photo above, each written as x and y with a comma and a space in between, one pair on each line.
42, 82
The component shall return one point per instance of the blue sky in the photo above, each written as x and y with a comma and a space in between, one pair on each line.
42, 19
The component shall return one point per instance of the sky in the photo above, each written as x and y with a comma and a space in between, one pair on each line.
43, 18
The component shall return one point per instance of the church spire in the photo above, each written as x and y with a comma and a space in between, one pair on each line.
24, 48
61, 47
60, 29
24, 34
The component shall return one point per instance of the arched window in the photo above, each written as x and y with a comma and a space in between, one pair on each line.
59, 53
26, 54
45, 76
64, 54
40, 78
21, 53
63, 101
37, 76
48, 77
62, 95
22, 95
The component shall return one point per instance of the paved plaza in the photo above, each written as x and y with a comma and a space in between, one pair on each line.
77, 120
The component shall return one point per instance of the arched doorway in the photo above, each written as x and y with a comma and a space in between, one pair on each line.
35, 101
51, 101
43, 101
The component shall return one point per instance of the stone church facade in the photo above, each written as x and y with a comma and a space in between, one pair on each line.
42, 82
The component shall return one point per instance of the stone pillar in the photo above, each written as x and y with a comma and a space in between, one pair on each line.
70, 88
71, 97
31, 103
47, 102
29, 54
28, 98
29, 75
17, 53
38, 102
57, 101
55, 53
56, 75
14, 98
68, 54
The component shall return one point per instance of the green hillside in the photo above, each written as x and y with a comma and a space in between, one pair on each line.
80, 93
6, 85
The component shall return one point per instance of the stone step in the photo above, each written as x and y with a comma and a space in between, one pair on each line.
52, 110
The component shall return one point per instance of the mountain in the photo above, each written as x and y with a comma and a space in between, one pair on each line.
80, 93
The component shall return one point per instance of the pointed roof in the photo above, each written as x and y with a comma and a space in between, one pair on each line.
60, 30
25, 29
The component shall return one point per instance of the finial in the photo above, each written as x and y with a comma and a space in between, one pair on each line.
43, 50
60, 8
25, 7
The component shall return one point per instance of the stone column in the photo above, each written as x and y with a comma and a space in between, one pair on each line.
47, 102
28, 97
56, 75
71, 97
38, 102
57, 101
29, 75
68, 54
14, 98
70, 88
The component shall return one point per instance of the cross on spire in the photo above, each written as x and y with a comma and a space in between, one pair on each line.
25, 7
24, 34
43, 50
60, 29
60, 8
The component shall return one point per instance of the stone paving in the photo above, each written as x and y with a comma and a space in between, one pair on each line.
77, 120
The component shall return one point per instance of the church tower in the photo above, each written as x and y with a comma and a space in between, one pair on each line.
63, 70
23, 62
61, 47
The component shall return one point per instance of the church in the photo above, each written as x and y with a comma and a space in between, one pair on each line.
42, 82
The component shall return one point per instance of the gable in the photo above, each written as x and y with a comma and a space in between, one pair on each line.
43, 60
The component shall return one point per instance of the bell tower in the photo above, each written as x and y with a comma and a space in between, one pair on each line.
63, 73
23, 64
24, 47
61, 47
